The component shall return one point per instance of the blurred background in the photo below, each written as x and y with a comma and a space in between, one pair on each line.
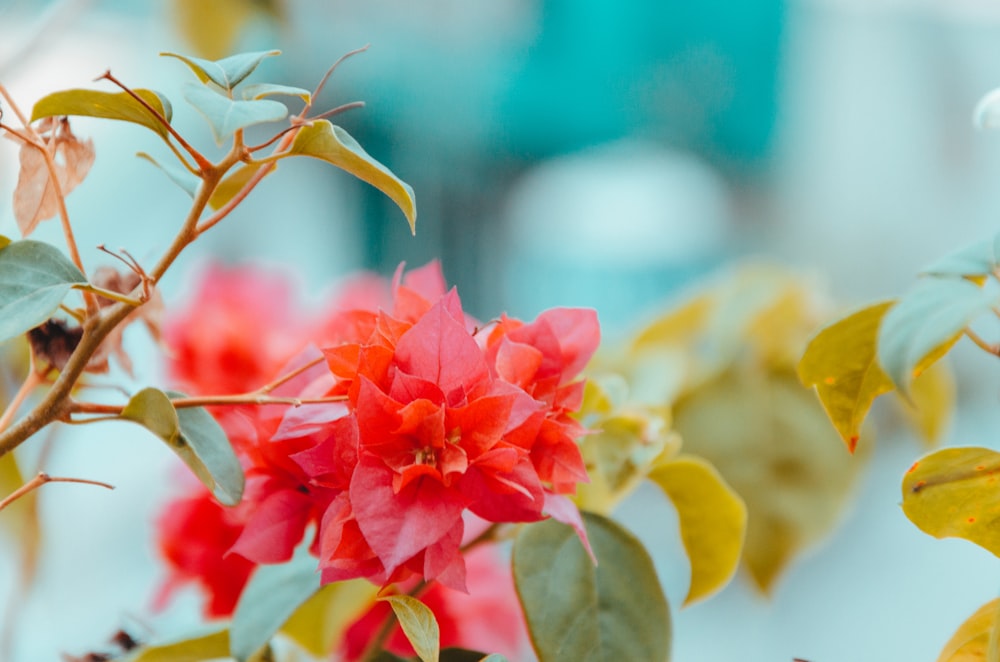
591, 153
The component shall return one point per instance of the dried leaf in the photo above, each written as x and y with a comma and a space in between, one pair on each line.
35, 197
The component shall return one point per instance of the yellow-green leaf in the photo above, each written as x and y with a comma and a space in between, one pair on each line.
840, 363
330, 143
321, 622
214, 28
108, 105
210, 646
772, 442
20, 519
234, 183
678, 325
955, 493
972, 638
418, 624
931, 403
713, 520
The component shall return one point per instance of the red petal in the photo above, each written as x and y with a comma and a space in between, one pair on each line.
276, 525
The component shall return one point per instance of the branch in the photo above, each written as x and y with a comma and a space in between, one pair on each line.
43, 478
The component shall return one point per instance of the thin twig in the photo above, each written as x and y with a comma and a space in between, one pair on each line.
267, 388
33, 380
339, 109
43, 478
203, 163
326, 76
77, 407
982, 344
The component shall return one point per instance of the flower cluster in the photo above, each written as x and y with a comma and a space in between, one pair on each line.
417, 420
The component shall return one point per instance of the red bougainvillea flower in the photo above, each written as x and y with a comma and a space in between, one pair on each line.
444, 425
487, 618
195, 534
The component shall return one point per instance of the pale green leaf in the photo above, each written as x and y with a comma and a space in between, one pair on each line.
322, 620
953, 493
225, 116
840, 363
178, 175
930, 317
195, 437
978, 259
713, 520
108, 105
972, 638
330, 143
418, 624
234, 183
576, 611
228, 72
209, 646
273, 594
35, 277
774, 445
262, 90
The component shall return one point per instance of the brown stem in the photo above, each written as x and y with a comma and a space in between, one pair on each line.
204, 164
284, 379
993, 349
208, 401
326, 76
43, 478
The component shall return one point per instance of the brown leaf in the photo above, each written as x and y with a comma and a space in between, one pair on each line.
150, 313
35, 198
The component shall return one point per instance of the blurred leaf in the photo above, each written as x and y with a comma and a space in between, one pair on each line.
20, 518
320, 623
226, 116
618, 455
840, 363
772, 442
35, 197
678, 325
931, 403
262, 90
213, 28
576, 611
34, 279
713, 520
978, 259
953, 493
987, 112
971, 639
195, 437
233, 184
330, 143
210, 646
463, 655
226, 73
418, 624
926, 322
178, 175
273, 594
108, 105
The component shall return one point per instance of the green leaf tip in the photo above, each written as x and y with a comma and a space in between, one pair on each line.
226, 73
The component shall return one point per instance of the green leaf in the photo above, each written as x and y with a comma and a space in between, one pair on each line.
261, 90
210, 646
952, 493
273, 594
234, 183
320, 623
576, 611
840, 363
107, 105
180, 176
713, 521
225, 116
34, 279
330, 143
418, 624
195, 437
773, 443
972, 638
926, 322
228, 72
978, 259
